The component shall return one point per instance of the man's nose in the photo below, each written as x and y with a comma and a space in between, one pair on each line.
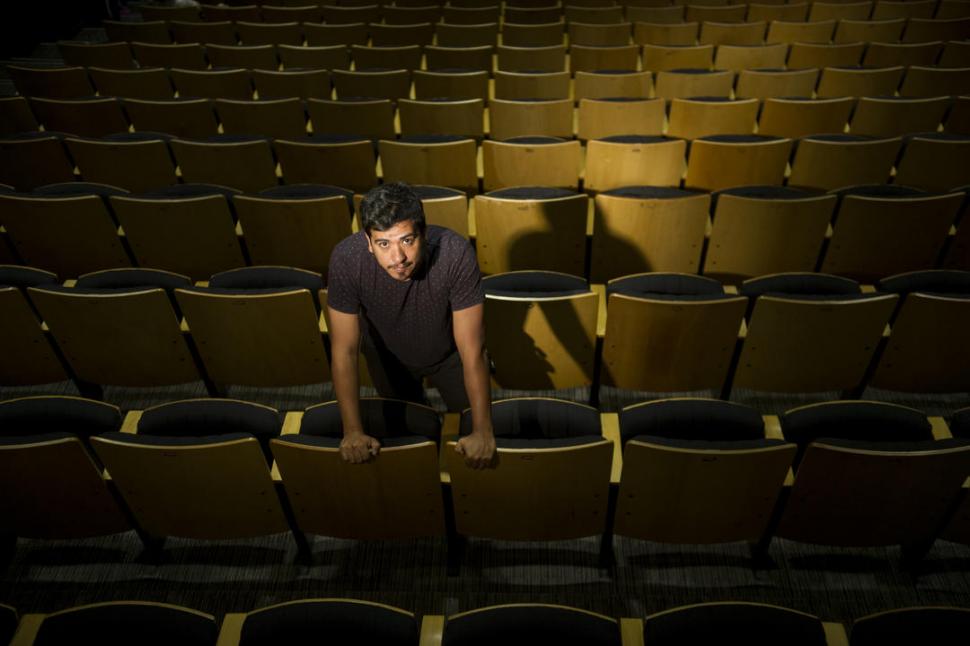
397, 255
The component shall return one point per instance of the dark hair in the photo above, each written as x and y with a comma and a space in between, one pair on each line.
386, 205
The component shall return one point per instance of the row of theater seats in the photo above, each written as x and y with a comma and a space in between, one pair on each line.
265, 327
928, 15
542, 11
863, 233
152, 162
552, 58
675, 471
242, 83
705, 31
347, 621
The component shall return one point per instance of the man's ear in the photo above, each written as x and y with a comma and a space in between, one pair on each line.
370, 245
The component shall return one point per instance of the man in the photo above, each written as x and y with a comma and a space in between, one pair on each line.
408, 296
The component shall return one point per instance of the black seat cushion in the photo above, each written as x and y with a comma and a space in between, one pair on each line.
381, 418
69, 189
328, 138
526, 625
668, 286
539, 422
933, 281
30, 135
650, 192
740, 139
308, 192
267, 278
881, 190
231, 139
332, 622
940, 136
305, 191
534, 284
175, 440
142, 135
121, 624
428, 192
180, 191
764, 193
800, 284
132, 277
839, 137
24, 277
769, 192
192, 419
531, 193
692, 419
431, 139
855, 421
615, 71
45, 415
637, 139
732, 623
936, 626
533, 140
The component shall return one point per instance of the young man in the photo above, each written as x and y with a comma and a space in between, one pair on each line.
409, 296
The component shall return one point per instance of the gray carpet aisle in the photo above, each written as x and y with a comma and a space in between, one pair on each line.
234, 576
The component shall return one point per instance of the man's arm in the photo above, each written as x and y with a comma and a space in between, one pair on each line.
355, 446
469, 330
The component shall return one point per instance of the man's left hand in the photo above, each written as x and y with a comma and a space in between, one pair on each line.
478, 449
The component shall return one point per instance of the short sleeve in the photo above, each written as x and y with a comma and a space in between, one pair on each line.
342, 280
466, 289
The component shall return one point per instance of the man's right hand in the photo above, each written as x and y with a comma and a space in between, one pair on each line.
358, 447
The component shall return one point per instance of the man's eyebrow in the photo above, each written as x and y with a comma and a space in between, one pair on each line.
413, 234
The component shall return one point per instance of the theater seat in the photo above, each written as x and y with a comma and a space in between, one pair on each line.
198, 469
257, 336
732, 621
531, 228
847, 488
337, 620
530, 623
540, 329
646, 228
54, 488
397, 494
116, 623
549, 480
669, 333
928, 346
295, 225
184, 228
809, 333
930, 625
698, 471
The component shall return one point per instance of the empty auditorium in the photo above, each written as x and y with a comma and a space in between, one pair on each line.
485, 322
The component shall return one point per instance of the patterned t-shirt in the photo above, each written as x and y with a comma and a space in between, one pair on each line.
411, 319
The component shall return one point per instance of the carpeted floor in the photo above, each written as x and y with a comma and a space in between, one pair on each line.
835, 584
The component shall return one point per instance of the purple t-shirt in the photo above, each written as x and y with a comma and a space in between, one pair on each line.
410, 318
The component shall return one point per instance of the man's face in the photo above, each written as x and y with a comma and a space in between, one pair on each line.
398, 250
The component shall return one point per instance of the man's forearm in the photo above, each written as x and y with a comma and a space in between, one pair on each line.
478, 389
346, 386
